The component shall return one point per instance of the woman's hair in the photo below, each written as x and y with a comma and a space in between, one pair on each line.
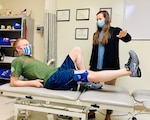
105, 29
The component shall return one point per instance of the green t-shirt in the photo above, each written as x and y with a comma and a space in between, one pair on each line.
31, 68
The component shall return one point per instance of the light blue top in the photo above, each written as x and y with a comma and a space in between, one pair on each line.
101, 51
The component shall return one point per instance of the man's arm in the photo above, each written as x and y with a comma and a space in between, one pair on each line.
15, 82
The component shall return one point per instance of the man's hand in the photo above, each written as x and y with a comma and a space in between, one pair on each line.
122, 33
15, 82
38, 83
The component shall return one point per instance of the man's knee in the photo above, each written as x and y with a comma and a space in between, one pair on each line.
77, 49
74, 53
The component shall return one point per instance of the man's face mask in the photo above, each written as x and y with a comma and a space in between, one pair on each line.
27, 50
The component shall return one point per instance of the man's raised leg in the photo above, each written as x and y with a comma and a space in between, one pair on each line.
131, 69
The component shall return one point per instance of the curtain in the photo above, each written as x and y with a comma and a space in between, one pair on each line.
50, 37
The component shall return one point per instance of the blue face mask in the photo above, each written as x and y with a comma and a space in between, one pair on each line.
100, 23
27, 50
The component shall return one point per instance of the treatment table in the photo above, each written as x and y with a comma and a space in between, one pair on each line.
142, 98
68, 103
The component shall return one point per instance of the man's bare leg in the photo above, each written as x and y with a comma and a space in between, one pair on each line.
131, 69
77, 57
107, 75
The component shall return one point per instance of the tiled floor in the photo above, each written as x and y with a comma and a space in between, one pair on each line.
6, 113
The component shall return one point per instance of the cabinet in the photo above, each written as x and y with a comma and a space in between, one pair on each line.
11, 28
7, 29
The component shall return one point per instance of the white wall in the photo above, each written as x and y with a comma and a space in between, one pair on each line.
134, 8
66, 30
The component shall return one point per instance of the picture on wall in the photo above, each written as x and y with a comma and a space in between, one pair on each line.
63, 15
81, 33
109, 10
83, 14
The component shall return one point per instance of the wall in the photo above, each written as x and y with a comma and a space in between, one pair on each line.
134, 8
66, 30
37, 14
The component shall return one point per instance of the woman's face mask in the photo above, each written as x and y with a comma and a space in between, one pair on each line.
27, 50
100, 23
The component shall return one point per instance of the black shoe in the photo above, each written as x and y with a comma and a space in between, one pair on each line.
62, 117
133, 64
89, 86
139, 74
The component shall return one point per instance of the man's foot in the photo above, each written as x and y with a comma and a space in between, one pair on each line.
139, 72
133, 64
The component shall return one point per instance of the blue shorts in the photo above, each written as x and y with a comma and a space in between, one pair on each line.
60, 80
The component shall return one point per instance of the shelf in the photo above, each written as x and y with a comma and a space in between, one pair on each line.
6, 46
1, 78
17, 33
10, 30
11, 17
8, 59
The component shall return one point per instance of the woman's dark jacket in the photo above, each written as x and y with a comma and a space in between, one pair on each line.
111, 54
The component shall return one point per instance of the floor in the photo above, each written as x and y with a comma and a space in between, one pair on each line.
7, 113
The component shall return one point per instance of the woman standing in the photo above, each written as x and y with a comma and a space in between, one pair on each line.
105, 50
